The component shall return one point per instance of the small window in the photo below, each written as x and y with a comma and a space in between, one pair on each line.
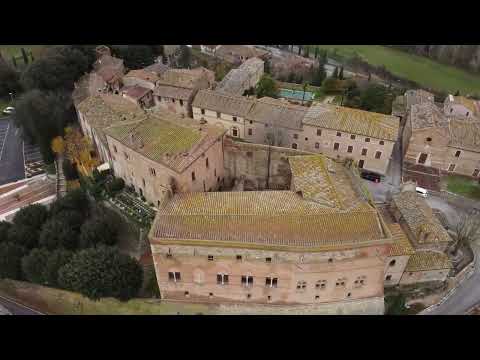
319, 132
268, 259
210, 294
294, 146
114, 148
218, 115
249, 154
378, 154
202, 111
174, 276
392, 263
317, 297
336, 146
306, 139
330, 260
381, 142
423, 158
181, 102
467, 113
235, 132
173, 101
349, 294
451, 167
295, 136
159, 98
269, 298
222, 279
251, 122
168, 255
271, 282
457, 154
187, 294
206, 163
250, 132
249, 296
352, 137
361, 163
301, 285
388, 278
193, 175
350, 149
143, 182
126, 155
451, 110
321, 284
153, 172
210, 257
317, 146
364, 152
339, 133
215, 172
247, 281
239, 257
367, 139
475, 172
234, 118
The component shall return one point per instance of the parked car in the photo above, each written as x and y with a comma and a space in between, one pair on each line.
421, 191
9, 110
368, 175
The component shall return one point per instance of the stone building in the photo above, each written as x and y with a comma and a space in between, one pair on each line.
461, 106
398, 257
450, 144
160, 153
318, 243
247, 76
141, 77
111, 69
176, 88
139, 95
237, 54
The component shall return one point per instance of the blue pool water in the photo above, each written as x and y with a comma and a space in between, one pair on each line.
296, 94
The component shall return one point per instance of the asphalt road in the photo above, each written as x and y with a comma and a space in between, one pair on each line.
11, 152
17, 309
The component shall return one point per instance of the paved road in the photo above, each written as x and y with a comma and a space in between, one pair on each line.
11, 156
17, 309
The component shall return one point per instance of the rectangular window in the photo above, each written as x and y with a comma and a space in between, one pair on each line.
239, 257
336, 146
361, 164
159, 98
202, 111
181, 102
152, 172
222, 279
475, 172
218, 115
367, 139
247, 281
206, 163
268, 259
173, 101
457, 154
339, 133
215, 172
317, 146
319, 132
174, 276
114, 148
350, 149
250, 132
364, 152
210, 257
378, 154
234, 118
271, 282
423, 158
451, 167
193, 175
295, 136
352, 137
126, 155
381, 142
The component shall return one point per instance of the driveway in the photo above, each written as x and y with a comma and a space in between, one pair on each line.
11, 152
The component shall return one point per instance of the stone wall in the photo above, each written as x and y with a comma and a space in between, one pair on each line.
250, 162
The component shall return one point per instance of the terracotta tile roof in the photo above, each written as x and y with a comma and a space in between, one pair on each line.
465, 134
86, 86
272, 219
427, 115
277, 113
420, 96
324, 181
428, 260
401, 245
104, 110
157, 68
183, 78
223, 103
419, 217
143, 74
282, 220
234, 83
353, 121
167, 138
173, 92
135, 92
232, 51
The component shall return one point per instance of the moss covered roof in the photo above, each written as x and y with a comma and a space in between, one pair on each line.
428, 260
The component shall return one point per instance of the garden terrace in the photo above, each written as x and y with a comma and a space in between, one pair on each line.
134, 208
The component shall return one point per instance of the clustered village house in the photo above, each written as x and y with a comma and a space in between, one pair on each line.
330, 245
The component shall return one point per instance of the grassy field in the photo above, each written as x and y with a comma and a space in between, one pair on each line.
463, 186
15, 50
424, 71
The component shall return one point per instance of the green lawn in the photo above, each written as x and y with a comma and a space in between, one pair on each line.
422, 70
15, 50
463, 186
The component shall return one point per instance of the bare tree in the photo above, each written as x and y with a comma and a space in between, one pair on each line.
467, 230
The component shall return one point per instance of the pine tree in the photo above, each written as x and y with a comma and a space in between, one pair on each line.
340, 75
25, 57
335, 73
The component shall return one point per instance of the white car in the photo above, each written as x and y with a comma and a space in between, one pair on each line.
9, 110
421, 191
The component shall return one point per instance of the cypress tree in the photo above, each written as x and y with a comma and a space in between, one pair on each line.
25, 57
335, 73
14, 61
340, 75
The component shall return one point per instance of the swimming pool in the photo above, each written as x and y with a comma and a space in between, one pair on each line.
296, 94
